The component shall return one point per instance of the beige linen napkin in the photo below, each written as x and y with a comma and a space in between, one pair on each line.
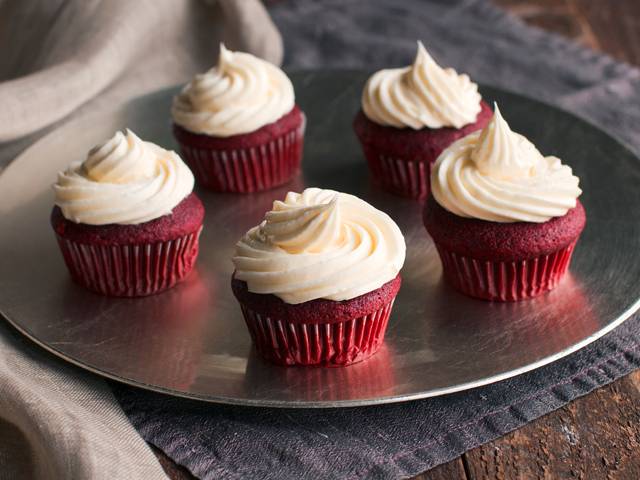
59, 59
57, 422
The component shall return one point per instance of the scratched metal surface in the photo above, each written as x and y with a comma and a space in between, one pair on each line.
191, 341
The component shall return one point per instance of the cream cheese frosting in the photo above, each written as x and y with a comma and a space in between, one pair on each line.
124, 180
320, 244
239, 95
421, 95
499, 176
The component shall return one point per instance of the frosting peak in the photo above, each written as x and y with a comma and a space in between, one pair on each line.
498, 175
320, 244
124, 180
241, 94
298, 229
421, 95
128, 160
501, 153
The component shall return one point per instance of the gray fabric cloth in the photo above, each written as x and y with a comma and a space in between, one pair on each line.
59, 59
403, 440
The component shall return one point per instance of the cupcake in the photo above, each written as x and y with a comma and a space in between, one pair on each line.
126, 219
504, 218
238, 126
316, 280
409, 115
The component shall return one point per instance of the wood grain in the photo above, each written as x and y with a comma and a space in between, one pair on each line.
614, 24
454, 470
594, 437
555, 16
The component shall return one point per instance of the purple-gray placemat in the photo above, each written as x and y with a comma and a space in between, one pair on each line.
402, 440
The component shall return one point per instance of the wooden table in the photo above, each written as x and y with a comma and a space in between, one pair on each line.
596, 436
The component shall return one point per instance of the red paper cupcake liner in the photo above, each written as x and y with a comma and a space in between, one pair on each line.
249, 169
327, 344
505, 281
402, 176
132, 270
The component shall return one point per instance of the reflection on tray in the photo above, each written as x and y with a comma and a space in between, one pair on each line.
374, 377
165, 329
547, 321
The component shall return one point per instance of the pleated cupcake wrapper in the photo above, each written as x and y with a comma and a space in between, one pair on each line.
506, 281
328, 344
132, 270
403, 176
250, 169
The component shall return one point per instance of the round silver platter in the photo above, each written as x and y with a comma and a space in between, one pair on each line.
191, 341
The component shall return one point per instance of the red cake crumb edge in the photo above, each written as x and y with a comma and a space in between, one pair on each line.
185, 218
319, 310
494, 241
425, 144
263, 135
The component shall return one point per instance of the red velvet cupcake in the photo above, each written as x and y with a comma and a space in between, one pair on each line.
317, 279
410, 115
504, 218
126, 219
503, 261
238, 126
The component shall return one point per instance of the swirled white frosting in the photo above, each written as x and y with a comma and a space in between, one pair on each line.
320, 244
123, 180
421, 95
239, 95
500, 176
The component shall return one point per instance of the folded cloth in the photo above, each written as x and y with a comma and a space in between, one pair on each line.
60, 58
56, 421
402, 440
58, 55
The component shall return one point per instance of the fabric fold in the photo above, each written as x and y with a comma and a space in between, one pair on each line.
57, 421
117, 47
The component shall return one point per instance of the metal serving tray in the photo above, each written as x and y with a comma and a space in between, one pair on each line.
191, 341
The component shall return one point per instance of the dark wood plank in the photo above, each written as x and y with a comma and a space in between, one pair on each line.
615, 25
611, 26
557, 16
596, 436
454, 470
